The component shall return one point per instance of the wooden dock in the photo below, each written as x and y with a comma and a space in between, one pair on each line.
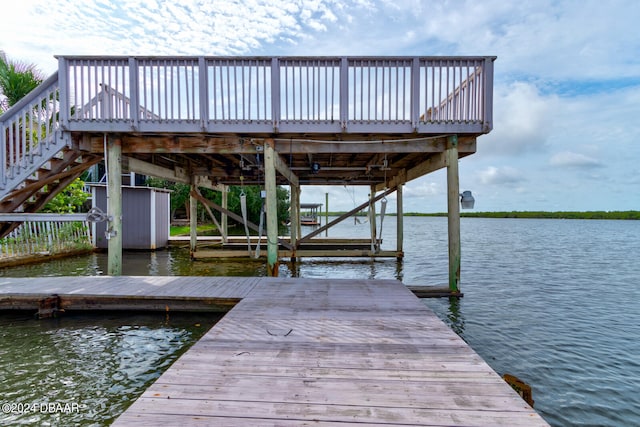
307, 352
158, 293
211, 247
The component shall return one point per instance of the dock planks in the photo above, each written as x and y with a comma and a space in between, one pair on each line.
170, 293
325, 352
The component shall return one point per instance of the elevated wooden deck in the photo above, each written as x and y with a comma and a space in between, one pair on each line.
301, 351
216, 122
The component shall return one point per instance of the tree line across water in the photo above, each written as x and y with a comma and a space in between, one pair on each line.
528, 214
543, 214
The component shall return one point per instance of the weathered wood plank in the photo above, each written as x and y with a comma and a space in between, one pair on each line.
217, 294
355, 352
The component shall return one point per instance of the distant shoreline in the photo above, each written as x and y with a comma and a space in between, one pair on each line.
621, 215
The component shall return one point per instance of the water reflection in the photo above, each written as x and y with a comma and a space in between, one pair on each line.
455, 316
97, 364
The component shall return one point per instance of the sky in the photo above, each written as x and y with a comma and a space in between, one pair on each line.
566, 130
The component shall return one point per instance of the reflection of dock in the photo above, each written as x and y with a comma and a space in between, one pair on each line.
299, 351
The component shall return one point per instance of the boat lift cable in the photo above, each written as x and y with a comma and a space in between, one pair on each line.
257, 253
383, 203
243, 209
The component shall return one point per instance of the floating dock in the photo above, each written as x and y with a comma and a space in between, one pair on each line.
297, 352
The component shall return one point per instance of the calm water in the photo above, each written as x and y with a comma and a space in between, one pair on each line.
86, 369
554, 302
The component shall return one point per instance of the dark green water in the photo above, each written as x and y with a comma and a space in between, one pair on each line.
554, 302
86, 369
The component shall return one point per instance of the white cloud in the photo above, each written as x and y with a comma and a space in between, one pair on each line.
566, 78
424, 188
505, 175
571, 159
523, 119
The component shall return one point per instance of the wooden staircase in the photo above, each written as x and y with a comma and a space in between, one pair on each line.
51, 178
37, 159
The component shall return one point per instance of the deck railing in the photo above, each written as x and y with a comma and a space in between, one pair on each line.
46, 234
281, 95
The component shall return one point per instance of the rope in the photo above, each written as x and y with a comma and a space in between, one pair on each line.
243, 209
383, 208
257, 255
371, 217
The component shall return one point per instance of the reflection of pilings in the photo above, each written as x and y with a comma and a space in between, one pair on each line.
399, 273
455, 317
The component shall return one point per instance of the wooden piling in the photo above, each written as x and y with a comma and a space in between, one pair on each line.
271, 207
453, 215
114, 194
224, 218
399, 223
193, 221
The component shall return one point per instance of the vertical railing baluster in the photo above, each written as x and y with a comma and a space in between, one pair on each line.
203, 93
192, 90
344, 95
228, 91
247, 111
300, 91
113, 91
11, 144
23, 146
361, 90
213, 91
264, 90
3, 154
154, 81
275, 93
134, 93
414, 98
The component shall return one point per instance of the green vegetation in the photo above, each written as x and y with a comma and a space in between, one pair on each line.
179, 200
16, 80
203, 230
68, 200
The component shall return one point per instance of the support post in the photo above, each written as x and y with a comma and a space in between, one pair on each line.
299, 225
453, 215
399, 224
114, 197
224, 219
294, 218
326, 213
372, 219
271, 207
193, 222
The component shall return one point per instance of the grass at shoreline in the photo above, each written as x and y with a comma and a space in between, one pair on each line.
623, 215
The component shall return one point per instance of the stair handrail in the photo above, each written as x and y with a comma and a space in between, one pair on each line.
27, 128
